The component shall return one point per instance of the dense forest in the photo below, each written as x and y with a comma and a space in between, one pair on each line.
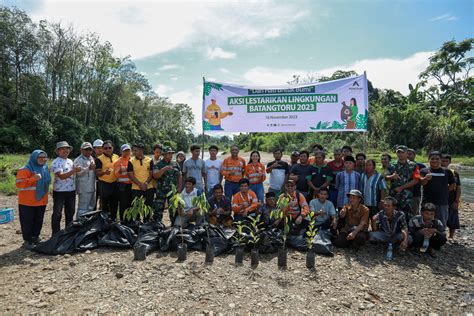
56, 84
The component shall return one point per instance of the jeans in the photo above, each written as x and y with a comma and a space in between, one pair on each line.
66, 200
86, 203
333, 195
31, 221
231, 188
259, 191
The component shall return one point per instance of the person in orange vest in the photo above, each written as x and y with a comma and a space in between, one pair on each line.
244, 202
124, 184
297, 208
140, 169
233, 168
107, 179
32, 181
255, 172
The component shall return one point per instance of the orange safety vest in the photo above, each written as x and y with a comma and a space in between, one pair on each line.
26, 184
122, 176
255, 173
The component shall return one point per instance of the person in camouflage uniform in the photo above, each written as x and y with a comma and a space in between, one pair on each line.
166, 173
403, 175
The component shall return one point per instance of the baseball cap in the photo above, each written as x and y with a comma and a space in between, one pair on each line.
86, 145
98, 143
125, 147
401, 148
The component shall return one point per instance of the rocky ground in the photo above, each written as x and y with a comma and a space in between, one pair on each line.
109, 281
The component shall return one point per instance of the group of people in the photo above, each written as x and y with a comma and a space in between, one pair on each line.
401, 203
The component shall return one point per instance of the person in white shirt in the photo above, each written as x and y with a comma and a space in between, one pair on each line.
213, 170
85, 180
190, 213
64, 187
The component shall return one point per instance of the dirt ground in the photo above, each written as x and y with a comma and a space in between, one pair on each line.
109, 281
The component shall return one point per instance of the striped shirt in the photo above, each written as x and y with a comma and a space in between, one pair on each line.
370, 187
345, 182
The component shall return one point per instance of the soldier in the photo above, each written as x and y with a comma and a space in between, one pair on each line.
403, 176
167, 173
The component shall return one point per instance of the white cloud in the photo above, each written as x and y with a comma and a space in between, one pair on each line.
163, 89
193, 98
174, 78
444, 17
168, 67
142, 28
224, 70
217, 52
386, 73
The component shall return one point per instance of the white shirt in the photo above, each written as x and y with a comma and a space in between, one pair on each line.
213, 168
188, 198
62, 165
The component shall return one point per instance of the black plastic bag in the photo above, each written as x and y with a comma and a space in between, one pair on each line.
81, 234
297, 242
322, 243
219, 239
270, 241
149, 234
120, 236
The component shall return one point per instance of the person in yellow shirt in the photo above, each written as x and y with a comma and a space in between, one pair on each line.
139, 170
214, 115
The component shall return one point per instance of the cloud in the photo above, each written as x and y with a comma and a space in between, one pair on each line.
174, 78
444, 17
193, 98
217, 52
224, 70
143, 28
386, 73
163, 89
168, 67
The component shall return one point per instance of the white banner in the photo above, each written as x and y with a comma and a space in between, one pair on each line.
339, 105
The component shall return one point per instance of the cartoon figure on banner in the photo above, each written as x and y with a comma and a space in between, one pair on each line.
214, 115
349, 113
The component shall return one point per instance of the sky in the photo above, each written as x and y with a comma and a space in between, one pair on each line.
174, 44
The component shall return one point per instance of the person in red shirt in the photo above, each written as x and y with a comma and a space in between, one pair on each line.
336, 166
244, 202
33, 182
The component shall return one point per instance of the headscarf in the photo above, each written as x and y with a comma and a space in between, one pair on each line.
42, 185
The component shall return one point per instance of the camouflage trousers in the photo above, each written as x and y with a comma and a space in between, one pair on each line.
159, 206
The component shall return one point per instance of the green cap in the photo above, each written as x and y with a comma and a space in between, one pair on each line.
402, 148
167, 149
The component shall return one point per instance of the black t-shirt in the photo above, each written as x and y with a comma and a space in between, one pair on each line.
320, 175
436, 190
302, 172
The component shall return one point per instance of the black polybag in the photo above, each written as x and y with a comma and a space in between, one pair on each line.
322, 243
270, 241
149, 235
119, 235
81, 234
219, 239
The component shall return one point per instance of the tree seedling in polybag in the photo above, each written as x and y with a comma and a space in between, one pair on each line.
311, 232
255, 229
176, 201
137, 211
201, 203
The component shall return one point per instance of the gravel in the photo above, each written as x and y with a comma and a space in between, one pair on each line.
110, 281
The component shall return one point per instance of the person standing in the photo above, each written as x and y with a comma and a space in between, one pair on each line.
107, 179
403, 176
213, 170
437, 181
97, 152
196, 167
180, 158
64, 187
336, 166
85, 180
279, 171
167, 174
454, 199
320, 177
372, 186
233, 168
32, 181
300, 173
346, 181
360, 163
124, 184
416, 201
140, 168
255, 172
294, 158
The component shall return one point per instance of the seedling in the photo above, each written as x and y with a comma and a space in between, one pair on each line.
176, 201
312, 230
138, 210
240, 238
279, 214
201, 203
255, 229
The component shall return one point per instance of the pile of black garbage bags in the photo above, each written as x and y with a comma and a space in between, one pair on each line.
97, 230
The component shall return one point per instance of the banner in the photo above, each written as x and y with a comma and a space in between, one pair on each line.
338, 105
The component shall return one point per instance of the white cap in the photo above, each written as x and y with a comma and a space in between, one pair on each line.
98, 143
125, 147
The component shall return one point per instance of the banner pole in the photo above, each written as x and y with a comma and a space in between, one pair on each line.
202, 120
366, 136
